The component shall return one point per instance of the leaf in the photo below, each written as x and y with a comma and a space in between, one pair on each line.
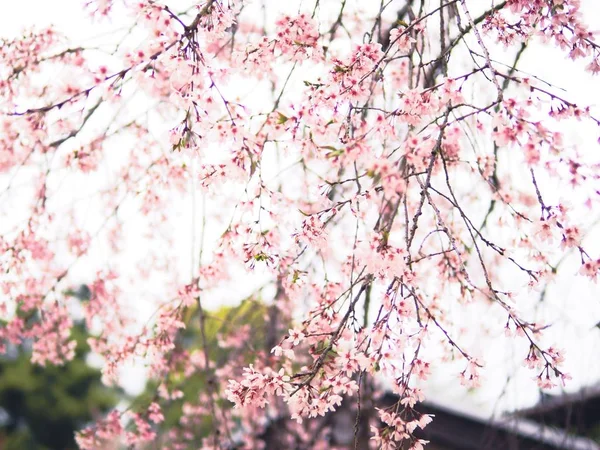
334, 153
295, 277
282, 118
314, 85
340, 69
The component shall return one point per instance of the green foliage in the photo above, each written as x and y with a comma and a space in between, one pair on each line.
217, 325
46, 405
594, 433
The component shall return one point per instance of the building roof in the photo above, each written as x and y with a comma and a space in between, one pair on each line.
578, 412
455, 429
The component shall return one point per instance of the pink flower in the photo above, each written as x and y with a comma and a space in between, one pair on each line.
154, 413
295, 336
590, 269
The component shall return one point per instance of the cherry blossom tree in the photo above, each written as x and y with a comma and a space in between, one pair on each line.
364, 172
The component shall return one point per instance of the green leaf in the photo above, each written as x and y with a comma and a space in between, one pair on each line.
282, 119
334, 153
